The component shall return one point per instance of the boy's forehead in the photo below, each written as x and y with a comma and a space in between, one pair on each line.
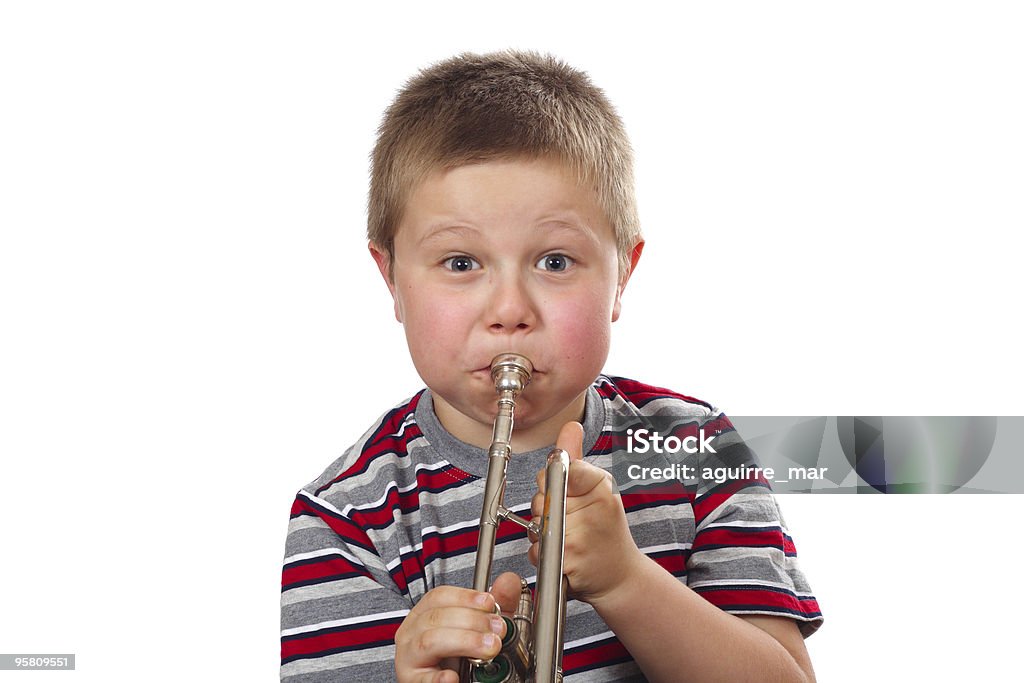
541, 188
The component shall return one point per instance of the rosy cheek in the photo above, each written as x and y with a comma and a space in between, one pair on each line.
434, 321
581, 329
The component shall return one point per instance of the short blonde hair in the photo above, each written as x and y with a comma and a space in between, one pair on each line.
504, 105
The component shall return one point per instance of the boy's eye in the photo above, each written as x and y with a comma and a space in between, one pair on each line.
555, 262
460, 264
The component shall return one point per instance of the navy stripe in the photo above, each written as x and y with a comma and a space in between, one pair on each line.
318, 559
749, 587
769, 608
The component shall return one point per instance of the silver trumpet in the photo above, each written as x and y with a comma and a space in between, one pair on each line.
532, 646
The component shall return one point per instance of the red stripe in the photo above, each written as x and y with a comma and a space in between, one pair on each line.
674, 563
319, 570
603, 444
602, 654
669, 492
392, 444
453, 543
411, 565
347, 638
746, 538
754, 598
343, 527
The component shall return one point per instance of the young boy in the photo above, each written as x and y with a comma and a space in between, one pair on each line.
502, 219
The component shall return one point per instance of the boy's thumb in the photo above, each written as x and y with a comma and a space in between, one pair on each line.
570, 440
506, 591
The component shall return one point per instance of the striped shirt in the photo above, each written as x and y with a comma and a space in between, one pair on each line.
398, 514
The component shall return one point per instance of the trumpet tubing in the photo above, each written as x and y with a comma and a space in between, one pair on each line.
532, 648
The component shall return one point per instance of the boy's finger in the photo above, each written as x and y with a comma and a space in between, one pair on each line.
570, 440
436, 644
460, 618
506, 591
584, 478
455, 596
445, 677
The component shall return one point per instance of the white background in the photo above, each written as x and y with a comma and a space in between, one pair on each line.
192, 328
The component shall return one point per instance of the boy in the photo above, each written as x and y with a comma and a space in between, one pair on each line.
502, 219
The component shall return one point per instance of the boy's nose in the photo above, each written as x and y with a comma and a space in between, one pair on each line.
511, 307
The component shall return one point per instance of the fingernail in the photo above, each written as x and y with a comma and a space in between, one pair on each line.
497, 625
490, 641
483, 599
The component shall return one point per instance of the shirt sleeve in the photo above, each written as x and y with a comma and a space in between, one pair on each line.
743, 559
340, 608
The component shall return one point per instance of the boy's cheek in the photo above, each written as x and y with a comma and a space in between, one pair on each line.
584, 343
582, 317
433, 325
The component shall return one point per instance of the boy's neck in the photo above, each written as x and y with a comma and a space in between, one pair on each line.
525, 438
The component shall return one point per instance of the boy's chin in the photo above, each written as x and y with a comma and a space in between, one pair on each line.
482, 408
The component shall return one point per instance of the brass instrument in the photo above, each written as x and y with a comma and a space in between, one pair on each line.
532, 646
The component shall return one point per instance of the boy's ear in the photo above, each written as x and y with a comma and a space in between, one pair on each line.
383, 261
634, 258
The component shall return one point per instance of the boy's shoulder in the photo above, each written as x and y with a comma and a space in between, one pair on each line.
639, 398
379, 455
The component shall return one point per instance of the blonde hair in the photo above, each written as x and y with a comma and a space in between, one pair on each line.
504, 105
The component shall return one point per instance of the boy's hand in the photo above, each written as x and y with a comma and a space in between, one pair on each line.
448, 623
600, 553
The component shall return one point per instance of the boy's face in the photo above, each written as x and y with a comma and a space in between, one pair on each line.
505, 256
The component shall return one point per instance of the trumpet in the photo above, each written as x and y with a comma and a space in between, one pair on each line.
531, 650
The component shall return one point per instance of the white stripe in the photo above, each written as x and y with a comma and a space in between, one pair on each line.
607, 635
353, 454
735, 503
390, 566
662, 548
380, 501
745, 523
330, 589
343, 622
459, 526
321, 502
442, 531
405, 550
413, 485
750, 582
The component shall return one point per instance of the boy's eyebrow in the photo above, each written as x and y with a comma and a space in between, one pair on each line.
442, 231
570, 223
576, 227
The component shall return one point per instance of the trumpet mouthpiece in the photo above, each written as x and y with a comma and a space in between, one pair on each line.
511, 372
